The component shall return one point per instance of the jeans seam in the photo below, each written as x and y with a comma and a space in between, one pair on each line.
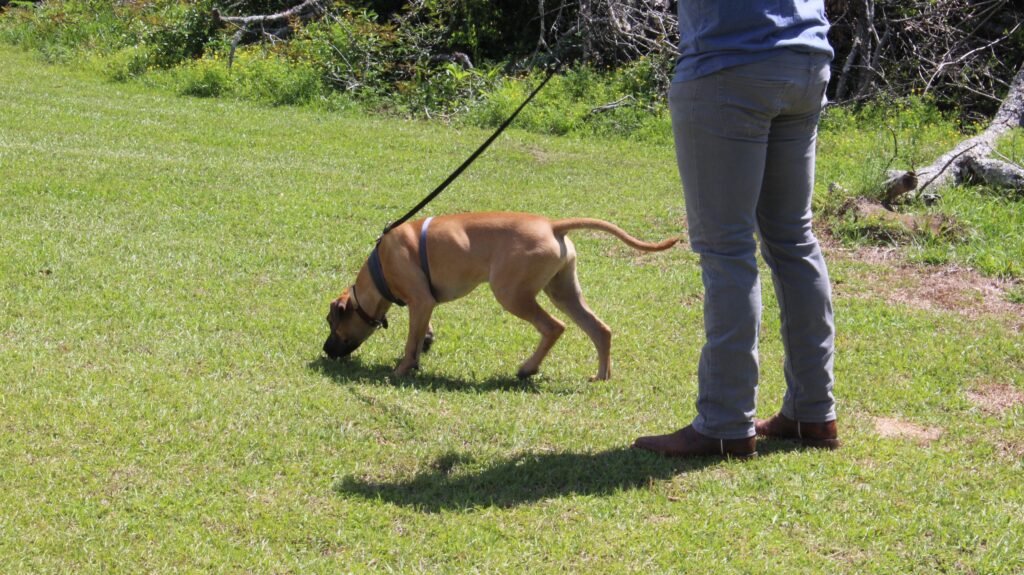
783, 305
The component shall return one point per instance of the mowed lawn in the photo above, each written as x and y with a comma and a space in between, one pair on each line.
165, 269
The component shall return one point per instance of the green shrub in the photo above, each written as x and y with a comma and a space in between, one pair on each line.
272, 79
444, 90
181, 32
552, 112
19, 25
911, 113
646, 79
202, 78
170, 30
351, 52
126, 63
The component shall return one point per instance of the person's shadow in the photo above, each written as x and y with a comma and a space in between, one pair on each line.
454, 481
528, 477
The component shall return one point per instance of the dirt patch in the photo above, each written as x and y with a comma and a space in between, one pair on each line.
953, 288
949, 288
879, 222
995, 398
891, 427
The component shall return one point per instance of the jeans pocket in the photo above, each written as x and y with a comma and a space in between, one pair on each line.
746, 103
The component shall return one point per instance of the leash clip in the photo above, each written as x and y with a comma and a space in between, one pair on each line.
387, 228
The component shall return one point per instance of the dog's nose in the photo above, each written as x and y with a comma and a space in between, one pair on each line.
330, 348
336, 347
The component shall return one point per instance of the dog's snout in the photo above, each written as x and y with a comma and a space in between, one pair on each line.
336, 347
329, 349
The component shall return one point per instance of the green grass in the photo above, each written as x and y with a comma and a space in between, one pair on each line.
995, 226
165, 269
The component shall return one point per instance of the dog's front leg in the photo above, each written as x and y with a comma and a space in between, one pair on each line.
419, 324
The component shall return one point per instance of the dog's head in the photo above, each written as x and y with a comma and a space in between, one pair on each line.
348, 330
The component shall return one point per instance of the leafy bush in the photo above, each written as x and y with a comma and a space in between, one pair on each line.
274, 80
583, 101
170, 30
351, 51
127, 63
268, 78
202, 78
181, 32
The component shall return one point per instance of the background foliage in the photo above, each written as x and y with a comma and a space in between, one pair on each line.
442, 57
906, 68
165, 267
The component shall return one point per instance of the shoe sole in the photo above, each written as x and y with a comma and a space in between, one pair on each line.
830, 444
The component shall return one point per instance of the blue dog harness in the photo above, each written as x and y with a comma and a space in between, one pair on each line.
377, 271
424, 263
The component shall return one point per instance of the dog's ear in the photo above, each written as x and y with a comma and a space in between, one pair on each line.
344, 299
340, 305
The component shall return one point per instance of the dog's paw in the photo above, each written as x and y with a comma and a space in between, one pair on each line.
526, 373
403, 370
428, 342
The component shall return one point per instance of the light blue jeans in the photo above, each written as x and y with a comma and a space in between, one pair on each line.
745, 143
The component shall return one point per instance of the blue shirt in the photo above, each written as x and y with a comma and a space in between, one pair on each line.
717, 34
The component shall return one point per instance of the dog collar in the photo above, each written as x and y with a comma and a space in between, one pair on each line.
377, 274
376, 323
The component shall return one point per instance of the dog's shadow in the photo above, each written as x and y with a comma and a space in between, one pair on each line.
354, 369
528, 477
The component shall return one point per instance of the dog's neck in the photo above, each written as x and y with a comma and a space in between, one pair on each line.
370, 298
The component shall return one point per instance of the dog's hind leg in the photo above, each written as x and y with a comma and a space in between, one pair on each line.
523, 304
564, 291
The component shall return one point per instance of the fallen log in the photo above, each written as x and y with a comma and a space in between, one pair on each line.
994, 173
953, 165
306, 11
277, 26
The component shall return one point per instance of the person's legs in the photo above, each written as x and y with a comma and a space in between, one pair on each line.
745, 141
721, 126
792, 252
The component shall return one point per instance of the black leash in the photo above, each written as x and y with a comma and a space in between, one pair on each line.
458, 171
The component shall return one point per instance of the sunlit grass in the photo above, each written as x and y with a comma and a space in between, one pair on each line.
165, 268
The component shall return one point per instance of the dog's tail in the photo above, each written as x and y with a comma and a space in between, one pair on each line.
562, 226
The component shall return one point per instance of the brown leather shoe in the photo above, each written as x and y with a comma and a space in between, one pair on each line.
688, 442
822, 435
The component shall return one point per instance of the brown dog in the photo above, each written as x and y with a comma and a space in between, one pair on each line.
518, 254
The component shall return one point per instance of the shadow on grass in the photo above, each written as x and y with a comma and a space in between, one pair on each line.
528, 477
354, 370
